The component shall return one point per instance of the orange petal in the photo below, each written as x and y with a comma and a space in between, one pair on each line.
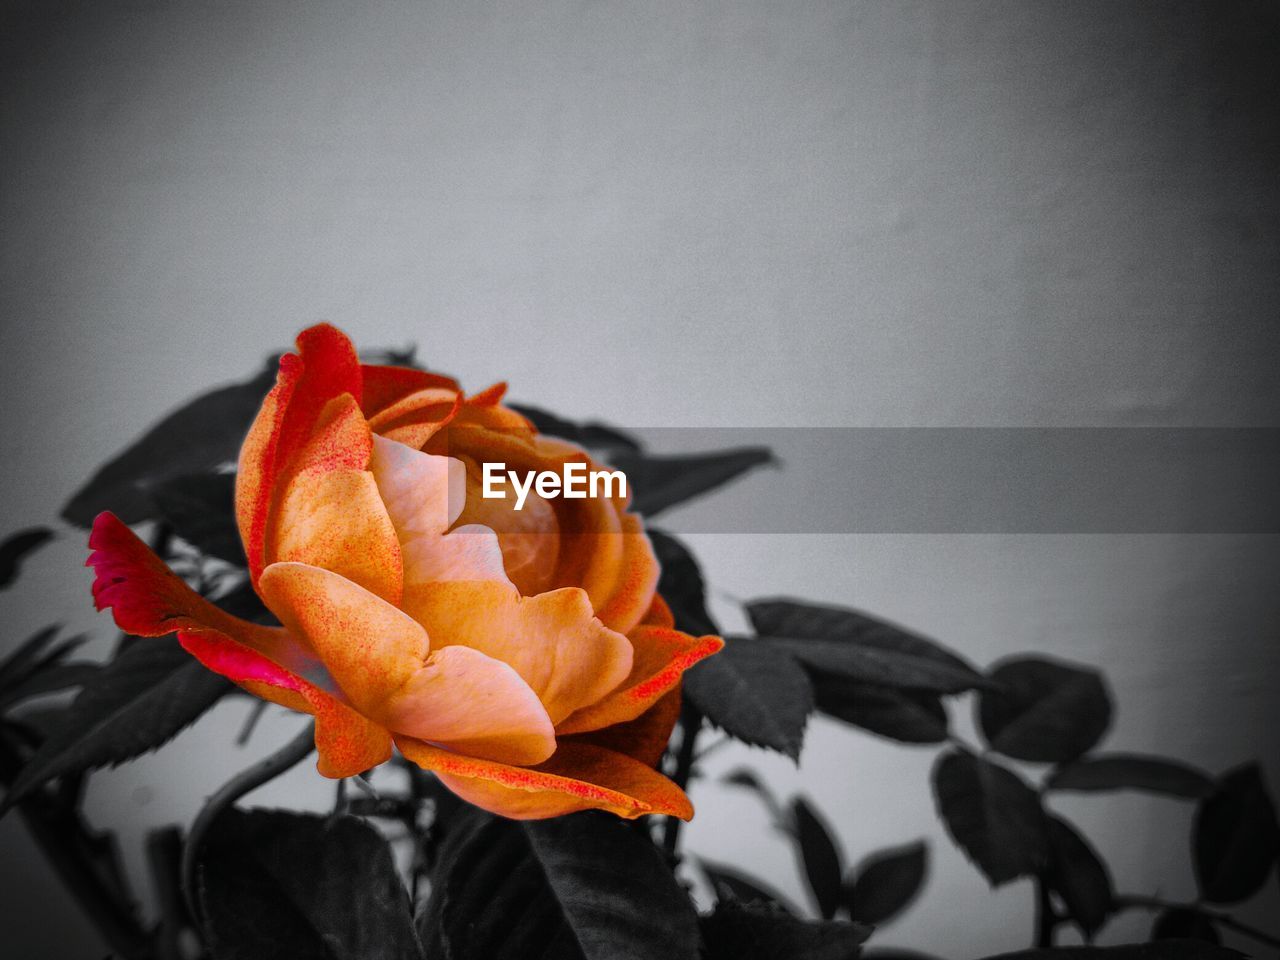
644, 738
659, 614
661, 658
329, 513
370, 647
623, 604
325, 367
384, 385
347, 743
579, 776
424, 495
416, 418
553, 641
475, 705
148, 599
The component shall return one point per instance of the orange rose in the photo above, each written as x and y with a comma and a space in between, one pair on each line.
525, 658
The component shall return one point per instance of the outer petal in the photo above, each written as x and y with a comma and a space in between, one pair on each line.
644, 738
424, 495
661, 658
328, 511
148, 599
472, 704
552, 640
623, 604
659, 614
384, 385
347, 743
579, 776
325, 367
416, 418
370, 647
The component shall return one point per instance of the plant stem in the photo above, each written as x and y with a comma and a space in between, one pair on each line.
1139, 902
690, 725
1046, 918
265, 770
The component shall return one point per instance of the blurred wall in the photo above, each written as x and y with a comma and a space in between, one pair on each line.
722, 214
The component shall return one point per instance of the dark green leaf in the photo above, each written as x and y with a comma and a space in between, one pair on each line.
1180, 923
37, 653
681, 585
1160, 950
53, 679
757, 932
585, 885
276, 884
837, 642
906, 716
823, 865
200, 508
754, 692
16, 548
489, 896
1122, 771
138, 702
1235, 837
730, 884
1044, 711
659, 482
1078, 875
198, 436
992, 815
617, 893
886, 882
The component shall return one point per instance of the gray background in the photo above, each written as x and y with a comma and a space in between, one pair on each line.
711, 215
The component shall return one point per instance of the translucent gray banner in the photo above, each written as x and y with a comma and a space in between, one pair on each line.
973, 480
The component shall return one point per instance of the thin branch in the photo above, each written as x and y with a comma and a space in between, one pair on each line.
251, 721
1046, 916
264, 771
1139, 902
690, 725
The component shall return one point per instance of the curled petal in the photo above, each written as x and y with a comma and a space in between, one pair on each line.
472, 704
661, 658
329, 512
624, 603
579, 776
370, 647
553, 640
644, 738
384, 385
325, 367
659, 614
148, 599
347, 743
416, 418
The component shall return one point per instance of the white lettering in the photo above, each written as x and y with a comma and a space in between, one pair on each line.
548, 484
575, 475
521, 491
578, 483
493, 474
606, 477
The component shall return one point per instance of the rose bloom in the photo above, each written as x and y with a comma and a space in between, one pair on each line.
525, 658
